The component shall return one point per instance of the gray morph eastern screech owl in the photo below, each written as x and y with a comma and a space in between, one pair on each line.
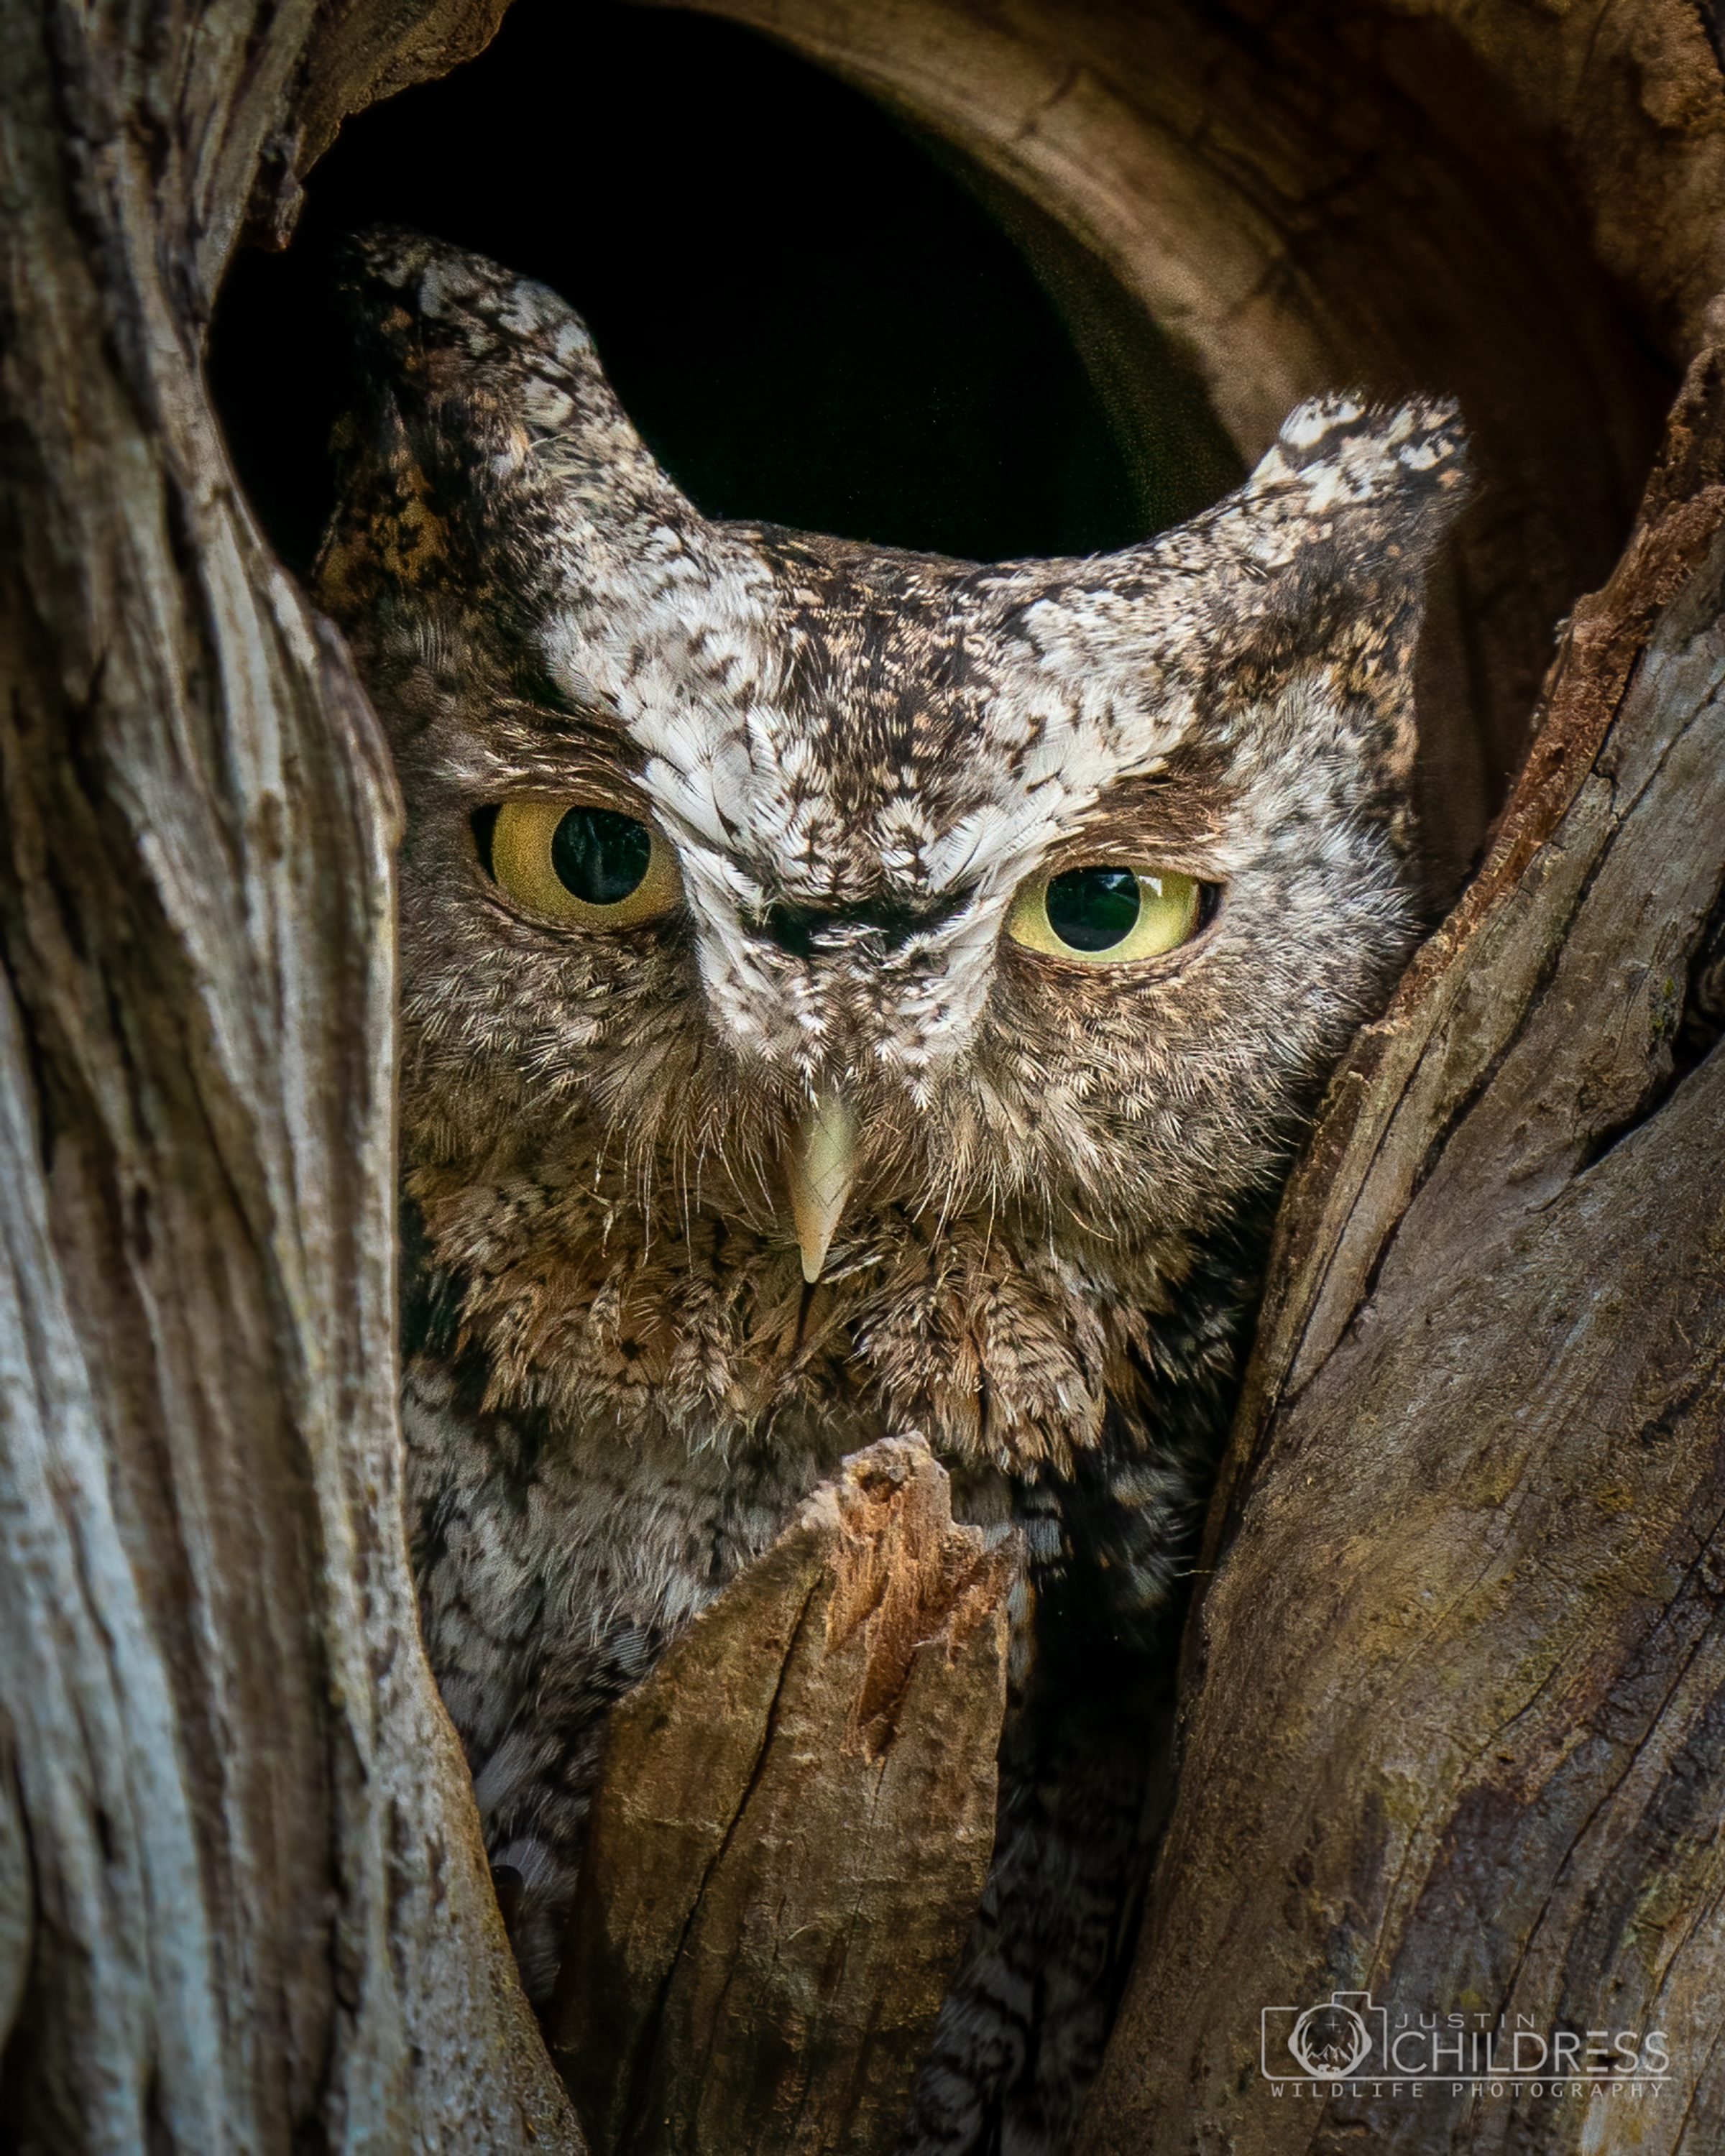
847, 991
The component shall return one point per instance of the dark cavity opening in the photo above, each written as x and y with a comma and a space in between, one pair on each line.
814, 316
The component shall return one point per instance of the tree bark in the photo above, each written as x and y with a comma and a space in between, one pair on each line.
243, 1904
791, 1834
1476, 1494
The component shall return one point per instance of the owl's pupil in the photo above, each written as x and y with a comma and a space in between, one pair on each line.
599, 855
1093, 909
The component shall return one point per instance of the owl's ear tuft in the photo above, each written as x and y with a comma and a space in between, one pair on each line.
1380, 484
486, 439
1322, 561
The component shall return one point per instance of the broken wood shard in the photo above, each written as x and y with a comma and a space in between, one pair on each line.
791, 1834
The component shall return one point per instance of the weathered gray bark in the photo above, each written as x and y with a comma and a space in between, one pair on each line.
791, 1834
242, 1900
1455, 1724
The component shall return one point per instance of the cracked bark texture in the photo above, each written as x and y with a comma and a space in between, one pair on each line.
242, 1903
1453, 1722
791, 1834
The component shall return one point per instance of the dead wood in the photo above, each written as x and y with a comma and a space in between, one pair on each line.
242, 1905
791, 1836
1476, 1497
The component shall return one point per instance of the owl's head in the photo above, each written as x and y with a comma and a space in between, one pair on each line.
813, 884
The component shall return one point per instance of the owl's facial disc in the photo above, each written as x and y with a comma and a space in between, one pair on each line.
852, 892
1097, 914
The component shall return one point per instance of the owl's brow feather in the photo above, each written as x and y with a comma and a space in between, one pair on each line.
541, 707
514, 743
1180, 811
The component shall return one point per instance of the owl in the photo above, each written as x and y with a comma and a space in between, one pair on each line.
846, 992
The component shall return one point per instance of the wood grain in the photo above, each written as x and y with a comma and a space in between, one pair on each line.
791, 1836
242, 1903
1455, 1729
1455, 1715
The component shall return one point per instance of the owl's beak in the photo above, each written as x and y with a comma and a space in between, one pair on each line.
823, 1166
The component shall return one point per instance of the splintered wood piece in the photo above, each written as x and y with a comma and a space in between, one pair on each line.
791, 1834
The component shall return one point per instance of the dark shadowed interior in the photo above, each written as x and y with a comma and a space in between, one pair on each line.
807, 310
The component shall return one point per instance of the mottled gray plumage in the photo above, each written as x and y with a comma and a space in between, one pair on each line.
618, 1384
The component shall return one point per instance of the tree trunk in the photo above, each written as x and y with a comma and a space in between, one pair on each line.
1476, 1494
1453, 1732
244, 1904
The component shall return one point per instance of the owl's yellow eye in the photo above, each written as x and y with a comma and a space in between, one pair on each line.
576, 861
1105, 914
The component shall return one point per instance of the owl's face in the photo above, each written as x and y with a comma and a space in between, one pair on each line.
942, 933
